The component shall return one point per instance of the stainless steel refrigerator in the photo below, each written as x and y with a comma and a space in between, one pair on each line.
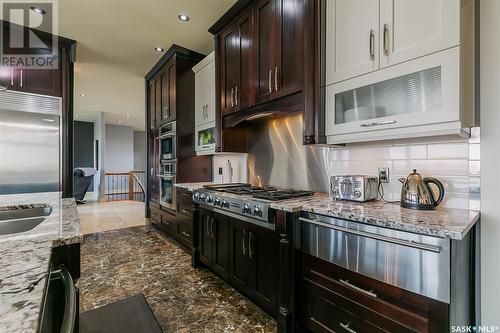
30, 143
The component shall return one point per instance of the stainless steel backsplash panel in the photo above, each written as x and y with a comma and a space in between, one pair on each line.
277, 157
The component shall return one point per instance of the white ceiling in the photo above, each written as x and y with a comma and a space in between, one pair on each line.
115, 48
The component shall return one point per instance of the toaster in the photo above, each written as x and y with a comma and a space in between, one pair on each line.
355, 188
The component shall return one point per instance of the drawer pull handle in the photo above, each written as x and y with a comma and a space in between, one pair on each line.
347, 328
244, 250
250, 251
185, 234
187, 211
379, 123
361, 290
408, 243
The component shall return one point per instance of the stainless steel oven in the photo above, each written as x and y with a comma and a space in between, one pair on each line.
168, 141
167, 180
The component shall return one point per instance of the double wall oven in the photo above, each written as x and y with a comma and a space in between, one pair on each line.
168, 164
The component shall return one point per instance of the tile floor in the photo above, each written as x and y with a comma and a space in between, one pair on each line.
120, 263
110, 215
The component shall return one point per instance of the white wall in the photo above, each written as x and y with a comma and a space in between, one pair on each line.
139, 151
490, 161
119, 148
100, 136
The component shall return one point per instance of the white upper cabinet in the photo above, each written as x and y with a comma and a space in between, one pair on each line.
398, 69
352, 38
205, 91
205, 105
414, 28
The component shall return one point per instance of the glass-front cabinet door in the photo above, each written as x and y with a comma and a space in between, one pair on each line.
423, 92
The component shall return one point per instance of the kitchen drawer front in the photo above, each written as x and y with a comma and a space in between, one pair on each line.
388, 307
154, 214
420, 264
322, 313
186, 231
169, 221
184, 202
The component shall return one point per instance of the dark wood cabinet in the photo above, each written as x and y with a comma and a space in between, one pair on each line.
220, 233
244, 254
239, 260
229, 69
213, 241
289, 54
205, 242
40, 81
268, 58
263, 248
266, 46
331, 298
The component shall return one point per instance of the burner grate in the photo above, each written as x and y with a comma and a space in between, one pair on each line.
276, 195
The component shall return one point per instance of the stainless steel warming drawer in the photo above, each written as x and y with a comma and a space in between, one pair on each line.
413, 262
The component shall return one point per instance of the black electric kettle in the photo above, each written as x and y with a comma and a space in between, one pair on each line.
416, 193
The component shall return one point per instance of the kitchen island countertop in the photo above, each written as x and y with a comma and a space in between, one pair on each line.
442, 222
25, 258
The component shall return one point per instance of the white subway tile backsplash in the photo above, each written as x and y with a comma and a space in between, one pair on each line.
432, 167
475, 152
474, 168
450, 150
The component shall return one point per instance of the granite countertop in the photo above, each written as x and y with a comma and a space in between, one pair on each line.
192, 186
25, 258
442, 222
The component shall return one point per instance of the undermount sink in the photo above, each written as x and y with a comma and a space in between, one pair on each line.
18, 219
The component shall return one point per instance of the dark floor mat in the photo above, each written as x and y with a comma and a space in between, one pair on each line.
132, 314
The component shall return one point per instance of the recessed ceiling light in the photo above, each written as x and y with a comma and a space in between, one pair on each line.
159, 49
128, 115
38, 10
82, 95
183, 17
119, 122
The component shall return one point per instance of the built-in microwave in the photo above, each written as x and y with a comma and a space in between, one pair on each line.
168, 143
205, 139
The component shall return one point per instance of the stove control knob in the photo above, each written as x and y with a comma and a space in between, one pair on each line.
196, 196
202, 197
357, 194
256, 211
225, 203
217, 202
209, 199
246, 209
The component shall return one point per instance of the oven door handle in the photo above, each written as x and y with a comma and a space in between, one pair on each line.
167, 135
166, 177
408, 243
68, 322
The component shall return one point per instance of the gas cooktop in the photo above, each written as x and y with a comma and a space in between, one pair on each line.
251, 203
267, 192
